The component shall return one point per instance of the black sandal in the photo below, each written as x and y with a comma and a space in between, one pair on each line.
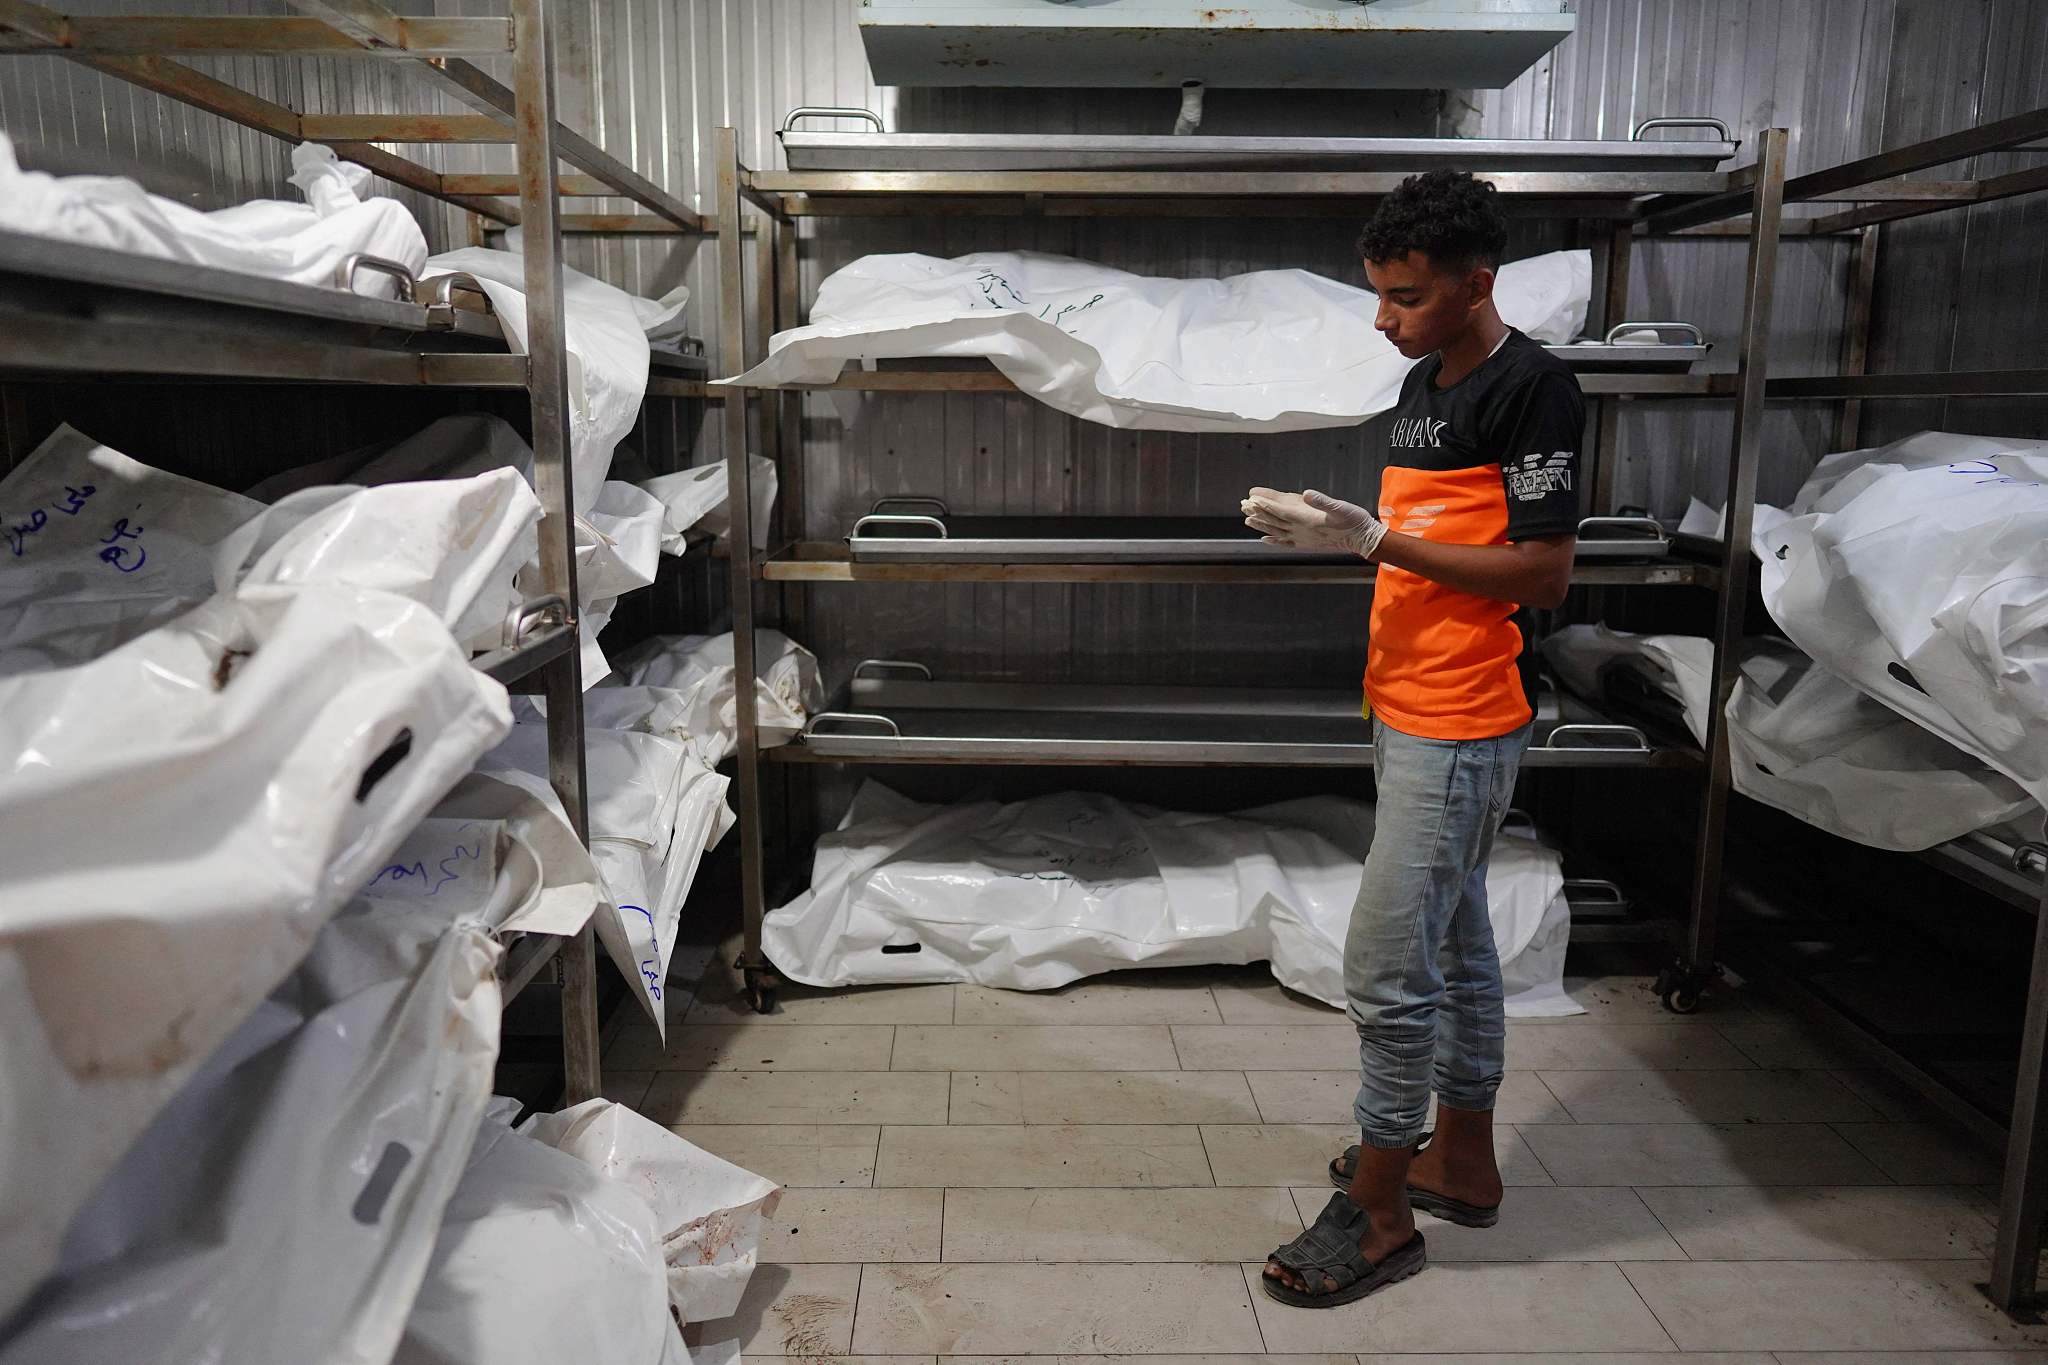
1328, 1252
1428, 1201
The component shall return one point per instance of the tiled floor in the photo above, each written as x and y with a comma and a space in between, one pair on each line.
1098, 1172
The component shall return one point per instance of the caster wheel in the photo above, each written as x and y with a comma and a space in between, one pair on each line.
1682, 999
761, 991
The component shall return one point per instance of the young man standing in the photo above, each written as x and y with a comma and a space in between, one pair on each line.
1477, 515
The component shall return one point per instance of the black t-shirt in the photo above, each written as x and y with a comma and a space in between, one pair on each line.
1492, 459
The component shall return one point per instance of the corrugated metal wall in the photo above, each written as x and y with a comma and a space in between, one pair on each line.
651, 79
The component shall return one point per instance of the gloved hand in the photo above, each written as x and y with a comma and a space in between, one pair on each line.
1313, 521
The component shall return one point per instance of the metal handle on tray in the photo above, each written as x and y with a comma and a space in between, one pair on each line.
852, 718
1650, 524
884, 504
1639, 742
1517, 818
1607, 892
533, 615
866, 664
932, 522
359, 261
1699, 338
2030, 857
829, 111
1693, 121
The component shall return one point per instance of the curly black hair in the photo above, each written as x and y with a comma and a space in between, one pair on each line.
1448, 216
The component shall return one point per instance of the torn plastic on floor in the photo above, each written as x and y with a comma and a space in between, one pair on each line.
585, 1235
1036, 894
694, 502
267, 751
1918, 571
699, 669
1276, 350
605, 332
302, 243
654, 810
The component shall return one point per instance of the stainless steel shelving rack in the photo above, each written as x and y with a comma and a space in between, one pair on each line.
1617, 204
2016, 874
71, 312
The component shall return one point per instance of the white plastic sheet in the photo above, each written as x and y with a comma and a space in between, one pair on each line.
1919, 573
654, 809
586, 1235
694, 502
100, 548
303, 243
1033, 895
541, 1260
266, 752
605, 333
708, 1210
699, 668
1803, 740
1277, 350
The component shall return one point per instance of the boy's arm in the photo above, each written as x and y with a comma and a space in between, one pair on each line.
1531, 573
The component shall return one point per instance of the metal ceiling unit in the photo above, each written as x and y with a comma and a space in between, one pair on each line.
1252, 44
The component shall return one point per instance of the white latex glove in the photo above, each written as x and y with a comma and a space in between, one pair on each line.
1313, 521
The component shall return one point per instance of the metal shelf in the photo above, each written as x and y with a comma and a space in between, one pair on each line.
918, 721
69, 310
831, 562
1941, 384
982, 377
524, 961
516, 662
2012, 873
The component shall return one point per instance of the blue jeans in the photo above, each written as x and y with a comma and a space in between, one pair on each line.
1420, 967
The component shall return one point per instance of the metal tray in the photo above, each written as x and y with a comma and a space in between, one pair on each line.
891, 533
892, 711
884, 151
1660, 357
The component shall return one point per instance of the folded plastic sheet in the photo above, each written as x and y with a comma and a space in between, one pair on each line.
605, 333
708, 1210
266, 752
1803, 740
654, 809
1033, 895
699, 668
694, 503
303, 243
103, 548
100, 548
262, 1215
619, 538
1277, 350
1919, 573
592, 1234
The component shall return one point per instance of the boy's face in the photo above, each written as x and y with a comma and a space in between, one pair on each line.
1423, 306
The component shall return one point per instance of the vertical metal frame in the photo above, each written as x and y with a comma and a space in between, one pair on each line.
2023, 1201
1862, 288
732, 319
1702, 931
554, 482
1606, 460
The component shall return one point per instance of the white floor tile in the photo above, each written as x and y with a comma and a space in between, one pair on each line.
1188, 1226
1752, 1096
1056, 1309
1924, 1153
1853, 1223
799, 1004
1475, 1308
1324, 1096
756, 1046
1127, 1155
793, 1310
1619, 1047
1788, 1047
1826, 1305
854, 1225
1268, 1047
1698, 1154
1103, 1097
1090, 1047
798, 1155
1298, 1154
1155, 998
1267, 1002
795, 1097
